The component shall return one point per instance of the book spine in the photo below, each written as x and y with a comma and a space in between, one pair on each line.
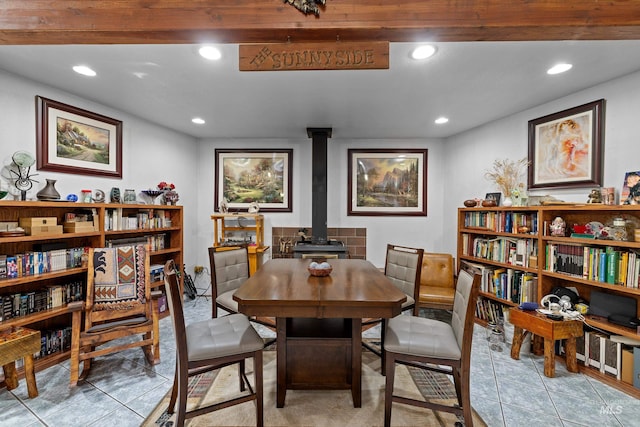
602, 267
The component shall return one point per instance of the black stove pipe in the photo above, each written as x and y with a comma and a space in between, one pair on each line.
319, 137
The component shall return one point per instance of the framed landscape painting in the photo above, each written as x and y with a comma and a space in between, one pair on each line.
73, 140
565, 148
387, 182
246, 177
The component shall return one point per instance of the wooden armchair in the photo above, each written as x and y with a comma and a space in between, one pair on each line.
118, 304
437, 281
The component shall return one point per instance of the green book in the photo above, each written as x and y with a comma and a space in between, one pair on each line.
613, 259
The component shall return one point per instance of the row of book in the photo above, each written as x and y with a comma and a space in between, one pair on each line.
600, 264
488, 310
54, 341
51, 341
25, 303
507, 250
39, 262
156, 242
116, 219
502, 221
507, 283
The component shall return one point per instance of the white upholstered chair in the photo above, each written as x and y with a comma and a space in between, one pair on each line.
210, 344
402, 267
436, 346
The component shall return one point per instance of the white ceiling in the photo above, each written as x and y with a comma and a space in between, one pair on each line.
471, 83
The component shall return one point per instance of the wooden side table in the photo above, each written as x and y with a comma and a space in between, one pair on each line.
17, 343
525, 322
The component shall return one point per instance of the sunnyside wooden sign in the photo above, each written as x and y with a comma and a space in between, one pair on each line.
314, 56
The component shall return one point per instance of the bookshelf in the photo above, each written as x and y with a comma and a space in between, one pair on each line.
25, 297
245, 229
512, 243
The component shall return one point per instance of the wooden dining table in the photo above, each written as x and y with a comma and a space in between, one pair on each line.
319, 320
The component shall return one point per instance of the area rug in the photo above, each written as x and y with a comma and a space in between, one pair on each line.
319, 407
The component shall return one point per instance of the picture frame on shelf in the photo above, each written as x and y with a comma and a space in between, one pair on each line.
566, 148
246, 177
72, 140
494, 196
387, 182
630, 193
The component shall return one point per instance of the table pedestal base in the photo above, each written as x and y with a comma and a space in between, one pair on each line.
319, 354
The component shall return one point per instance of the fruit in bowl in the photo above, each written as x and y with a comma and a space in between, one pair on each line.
320, 269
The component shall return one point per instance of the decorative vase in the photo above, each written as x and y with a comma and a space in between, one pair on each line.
507, 201
49, 191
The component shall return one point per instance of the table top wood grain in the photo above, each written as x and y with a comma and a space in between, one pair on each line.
284, 288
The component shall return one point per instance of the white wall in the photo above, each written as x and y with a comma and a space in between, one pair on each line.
412, 231
150, 153
470, 154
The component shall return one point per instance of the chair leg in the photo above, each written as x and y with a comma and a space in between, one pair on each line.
75, 348
258, 380
464, 393
241, 374
174, 392
390, 369
383, 329
182, 398
74, 365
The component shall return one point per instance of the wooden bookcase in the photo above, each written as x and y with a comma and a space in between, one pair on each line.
245, 229
479, 225
59, 318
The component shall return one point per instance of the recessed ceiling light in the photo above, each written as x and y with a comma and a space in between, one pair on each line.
210, 52
84, 70
441, 120
198, 121
423, 52
559, 68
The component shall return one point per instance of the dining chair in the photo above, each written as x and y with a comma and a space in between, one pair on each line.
403, 266
119, 303
229, 270
436, 346
437, 281
207, 345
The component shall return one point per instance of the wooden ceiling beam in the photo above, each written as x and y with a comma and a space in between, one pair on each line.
242, 21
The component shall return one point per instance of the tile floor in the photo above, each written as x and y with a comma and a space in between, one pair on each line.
122, 390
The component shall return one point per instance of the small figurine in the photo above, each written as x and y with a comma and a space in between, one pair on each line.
557, 227
595, 196
114, 196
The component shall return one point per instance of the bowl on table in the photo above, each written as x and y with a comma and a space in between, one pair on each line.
320, 269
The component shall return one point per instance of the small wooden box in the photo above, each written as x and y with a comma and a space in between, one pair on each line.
79, 227
39, 230
38, 221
